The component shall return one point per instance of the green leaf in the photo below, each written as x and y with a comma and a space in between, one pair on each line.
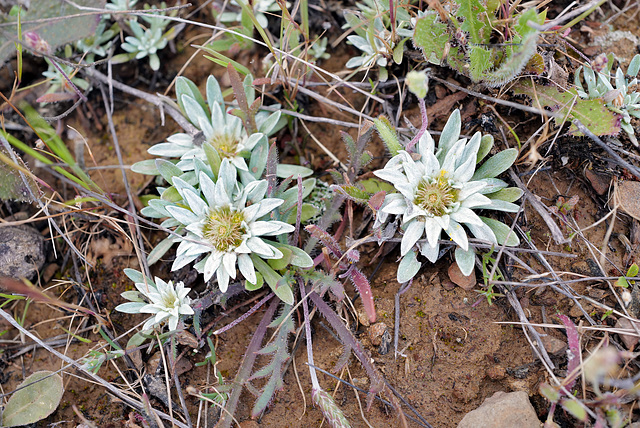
249, 286
622, 282
258, 160
282, 262
575, 408
398, 51
287, 170
171, 194
185, 86
213, 157
160, 250
431, 36
510, 194
633, 270
308, 212
136, 340
34, 401
16, 180
517, 56
549, 392
375, 185
475, 20
168, 170
593, 114
465, 260
408, 267
146, 167
283, 291
352, 192
388, 135
479, 62
298, 256
290, 196
134, 275
496, 165
501, 231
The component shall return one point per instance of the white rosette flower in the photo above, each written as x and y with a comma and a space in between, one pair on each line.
439, 191
168, 302
222, 132
624, 99
223, 221
147, 42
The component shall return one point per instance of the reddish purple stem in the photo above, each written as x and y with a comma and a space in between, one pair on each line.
423, 127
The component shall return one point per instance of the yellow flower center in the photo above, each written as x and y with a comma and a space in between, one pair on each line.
225, 144
223, 228
169, 300
435, 196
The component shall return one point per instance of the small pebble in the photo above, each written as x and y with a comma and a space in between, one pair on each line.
21, 252
376, 331
630, 340
463, 281
600, 183
496, 372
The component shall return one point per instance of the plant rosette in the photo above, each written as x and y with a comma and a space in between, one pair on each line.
167, 301
225, 136
623, 99
440, 190
227, 224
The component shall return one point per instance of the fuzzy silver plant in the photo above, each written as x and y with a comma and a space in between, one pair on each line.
441, 189
222, 133
623, 99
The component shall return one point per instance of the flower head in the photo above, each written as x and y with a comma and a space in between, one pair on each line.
224, 222
166, 301
439, 190
221, 131
147, 42
623, 99
376, 47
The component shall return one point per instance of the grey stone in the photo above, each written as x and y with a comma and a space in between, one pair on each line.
21, 252
503, 410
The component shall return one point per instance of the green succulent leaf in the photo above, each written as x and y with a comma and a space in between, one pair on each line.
168, 170
408, 267
549, 392
185, 86
465, 260
298, 256
502, 231
496, 165
249, 286
146, 167
160, 250
510, 194
287, 170
486, 144
282, 262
